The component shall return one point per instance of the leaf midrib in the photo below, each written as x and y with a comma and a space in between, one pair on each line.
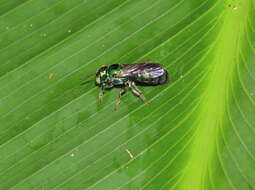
215, 105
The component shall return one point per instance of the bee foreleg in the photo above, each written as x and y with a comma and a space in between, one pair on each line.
101, 95
137, 92
122, 92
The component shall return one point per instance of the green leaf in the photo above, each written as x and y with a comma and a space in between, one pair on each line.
197, 133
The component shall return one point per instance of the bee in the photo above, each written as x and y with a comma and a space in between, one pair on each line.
130, 76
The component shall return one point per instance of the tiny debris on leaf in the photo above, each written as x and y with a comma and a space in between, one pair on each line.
235, 7
50, 76
129, 153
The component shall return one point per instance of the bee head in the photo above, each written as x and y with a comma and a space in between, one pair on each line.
102, 76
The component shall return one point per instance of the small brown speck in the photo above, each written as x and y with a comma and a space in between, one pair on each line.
50, 76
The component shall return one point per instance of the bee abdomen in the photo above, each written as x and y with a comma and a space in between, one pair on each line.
153, 81
164, 78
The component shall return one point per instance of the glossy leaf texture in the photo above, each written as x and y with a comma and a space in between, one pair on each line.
198, 131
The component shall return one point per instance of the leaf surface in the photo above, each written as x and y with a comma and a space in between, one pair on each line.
198, 130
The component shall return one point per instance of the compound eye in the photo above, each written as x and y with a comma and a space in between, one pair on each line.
103, 75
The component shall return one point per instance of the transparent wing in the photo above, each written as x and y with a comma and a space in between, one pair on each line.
144, 70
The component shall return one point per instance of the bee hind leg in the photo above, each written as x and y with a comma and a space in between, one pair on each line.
122, 92
137, 92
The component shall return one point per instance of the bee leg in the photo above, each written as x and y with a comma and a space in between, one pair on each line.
122, 92
137, 92
101, 95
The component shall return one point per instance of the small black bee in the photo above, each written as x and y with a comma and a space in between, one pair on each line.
130, 75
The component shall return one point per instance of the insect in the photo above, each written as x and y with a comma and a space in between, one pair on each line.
125, 76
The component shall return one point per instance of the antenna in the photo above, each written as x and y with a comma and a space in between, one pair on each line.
87, 82
85, 77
